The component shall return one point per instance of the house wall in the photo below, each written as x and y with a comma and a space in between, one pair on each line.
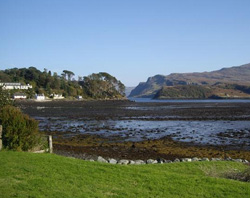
40, 97
15, 86
20, 97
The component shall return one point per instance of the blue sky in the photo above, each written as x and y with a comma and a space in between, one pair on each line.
130, 39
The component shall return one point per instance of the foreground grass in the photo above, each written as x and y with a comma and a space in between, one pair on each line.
47, 175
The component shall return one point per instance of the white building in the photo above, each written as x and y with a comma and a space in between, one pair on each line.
19, 96
6, 85
40, 97
79, 97
56, 96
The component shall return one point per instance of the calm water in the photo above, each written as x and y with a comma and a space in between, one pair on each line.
192, 101
204, 132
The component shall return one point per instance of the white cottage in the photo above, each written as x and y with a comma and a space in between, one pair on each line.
57, 96
40, 97
19, 96
6, 85
79, 97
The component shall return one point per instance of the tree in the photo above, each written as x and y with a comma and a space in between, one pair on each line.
69, 74
102, 86
4, 77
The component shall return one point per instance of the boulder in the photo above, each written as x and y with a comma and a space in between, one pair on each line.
139, 162
177, 160
237, 160
205, 159
151, 161
101, 159
123, 161
186, 160
161, 161
112, 161
195, 159
131, 162
216, 159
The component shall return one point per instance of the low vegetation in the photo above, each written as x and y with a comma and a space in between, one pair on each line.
239, 175
48, 175
218, 91
4, 98
20, 132
184, 91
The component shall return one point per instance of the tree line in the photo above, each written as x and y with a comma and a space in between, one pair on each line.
96, 86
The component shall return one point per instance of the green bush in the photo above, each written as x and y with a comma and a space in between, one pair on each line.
239, 175
4, 98
20, 132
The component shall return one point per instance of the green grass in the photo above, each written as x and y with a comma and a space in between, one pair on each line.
47, 175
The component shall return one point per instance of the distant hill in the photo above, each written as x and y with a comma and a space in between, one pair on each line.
128, 90
226, 82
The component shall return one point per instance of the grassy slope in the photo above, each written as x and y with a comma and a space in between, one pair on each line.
46, 175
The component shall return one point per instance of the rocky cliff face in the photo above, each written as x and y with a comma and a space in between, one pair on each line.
212, 80
149, 88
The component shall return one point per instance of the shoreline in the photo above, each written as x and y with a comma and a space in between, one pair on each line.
85, 146
116, 112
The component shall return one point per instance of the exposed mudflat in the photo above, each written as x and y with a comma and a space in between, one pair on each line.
125, 110
125, 129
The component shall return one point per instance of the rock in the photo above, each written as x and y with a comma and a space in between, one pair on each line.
216, 159
237, 160
186, 160
151, 161
177, 160
123, 161
40, 151
228, 159
205, 159
138, 162
168, 161
195, 159
245, 161
160, 161
91, 160
131, 162
112, 161
101, 159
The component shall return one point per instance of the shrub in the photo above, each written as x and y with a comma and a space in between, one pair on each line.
20, 132
239, 175
4, 98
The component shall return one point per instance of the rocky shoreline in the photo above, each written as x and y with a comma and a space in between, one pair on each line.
71, 141
148, 161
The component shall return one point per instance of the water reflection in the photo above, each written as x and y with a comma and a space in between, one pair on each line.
205, 132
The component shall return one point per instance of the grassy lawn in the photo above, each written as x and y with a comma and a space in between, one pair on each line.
47, 175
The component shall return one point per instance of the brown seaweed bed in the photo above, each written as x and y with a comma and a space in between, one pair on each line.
125, 129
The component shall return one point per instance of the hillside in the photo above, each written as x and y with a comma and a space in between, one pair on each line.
203, 92
225, 78
128, 90
95, 86
48, 175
